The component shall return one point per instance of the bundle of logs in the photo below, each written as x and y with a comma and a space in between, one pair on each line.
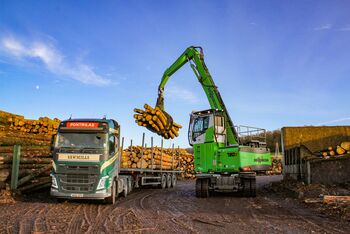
276, 168
34, 168
151, 158
186, 164
342, 149
43, 125
168, 159
157, 121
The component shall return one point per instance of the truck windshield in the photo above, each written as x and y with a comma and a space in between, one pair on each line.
81, 140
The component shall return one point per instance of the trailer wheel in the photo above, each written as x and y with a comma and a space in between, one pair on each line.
163, 181
168, 180
173, 180
198, 187
126, 190
130, 184
112, 198
205, 188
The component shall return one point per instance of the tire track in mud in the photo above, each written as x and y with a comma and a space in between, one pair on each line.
75, 222
167, 211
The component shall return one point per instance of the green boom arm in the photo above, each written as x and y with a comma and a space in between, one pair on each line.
201, 71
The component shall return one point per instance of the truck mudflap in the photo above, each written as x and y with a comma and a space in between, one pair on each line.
102, 194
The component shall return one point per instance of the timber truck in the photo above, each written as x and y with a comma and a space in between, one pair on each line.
86, 163
225, 158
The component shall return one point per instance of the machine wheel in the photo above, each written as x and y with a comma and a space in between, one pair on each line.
112, 198
173, 180
253, 187
198, 187
249, 187
168, 180
205, 188
163, 181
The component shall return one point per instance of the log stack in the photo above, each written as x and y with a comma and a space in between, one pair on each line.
34, 168
338, 150
277, 166
43, 125
186, 164
149, 158
34, 137
157, 121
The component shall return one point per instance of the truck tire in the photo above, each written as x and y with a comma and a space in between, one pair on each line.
253, 187
168, 180
163, 181
126, 190
205, 188
198, 187
173, 180
112, 198
130, 184
249, 187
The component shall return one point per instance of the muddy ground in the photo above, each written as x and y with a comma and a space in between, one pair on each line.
168, 211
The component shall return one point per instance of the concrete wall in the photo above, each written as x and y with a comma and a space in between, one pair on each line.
330, 171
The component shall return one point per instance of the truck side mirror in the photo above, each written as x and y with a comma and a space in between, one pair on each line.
52, 142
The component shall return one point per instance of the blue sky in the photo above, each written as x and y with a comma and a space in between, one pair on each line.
276, 63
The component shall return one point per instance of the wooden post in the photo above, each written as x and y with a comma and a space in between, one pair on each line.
161, 155
15, 166
121, 153
152, 152
143, 145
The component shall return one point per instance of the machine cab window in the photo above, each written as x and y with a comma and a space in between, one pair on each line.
200, 125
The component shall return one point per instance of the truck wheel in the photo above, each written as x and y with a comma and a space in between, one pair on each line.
163, 181
168, 180
112, 198
198, 187
173, 180
205, 188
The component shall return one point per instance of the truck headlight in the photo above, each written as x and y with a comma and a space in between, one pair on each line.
101, 184
54, 182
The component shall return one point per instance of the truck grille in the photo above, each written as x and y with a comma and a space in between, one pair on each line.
77, 183
83, 169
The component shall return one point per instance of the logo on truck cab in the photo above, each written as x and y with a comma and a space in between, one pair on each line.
82, 125
79, 157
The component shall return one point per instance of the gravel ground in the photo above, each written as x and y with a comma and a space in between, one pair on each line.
168, 211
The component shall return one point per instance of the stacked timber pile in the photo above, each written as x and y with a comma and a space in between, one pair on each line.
34, 168
186, 164
34, 137
276, 166
15, 129
157, 121
149, 158
339, 150
43, 125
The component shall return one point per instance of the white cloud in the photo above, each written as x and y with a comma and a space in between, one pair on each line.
177, 92
336, 121
53, 59
323, 27
343, 29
